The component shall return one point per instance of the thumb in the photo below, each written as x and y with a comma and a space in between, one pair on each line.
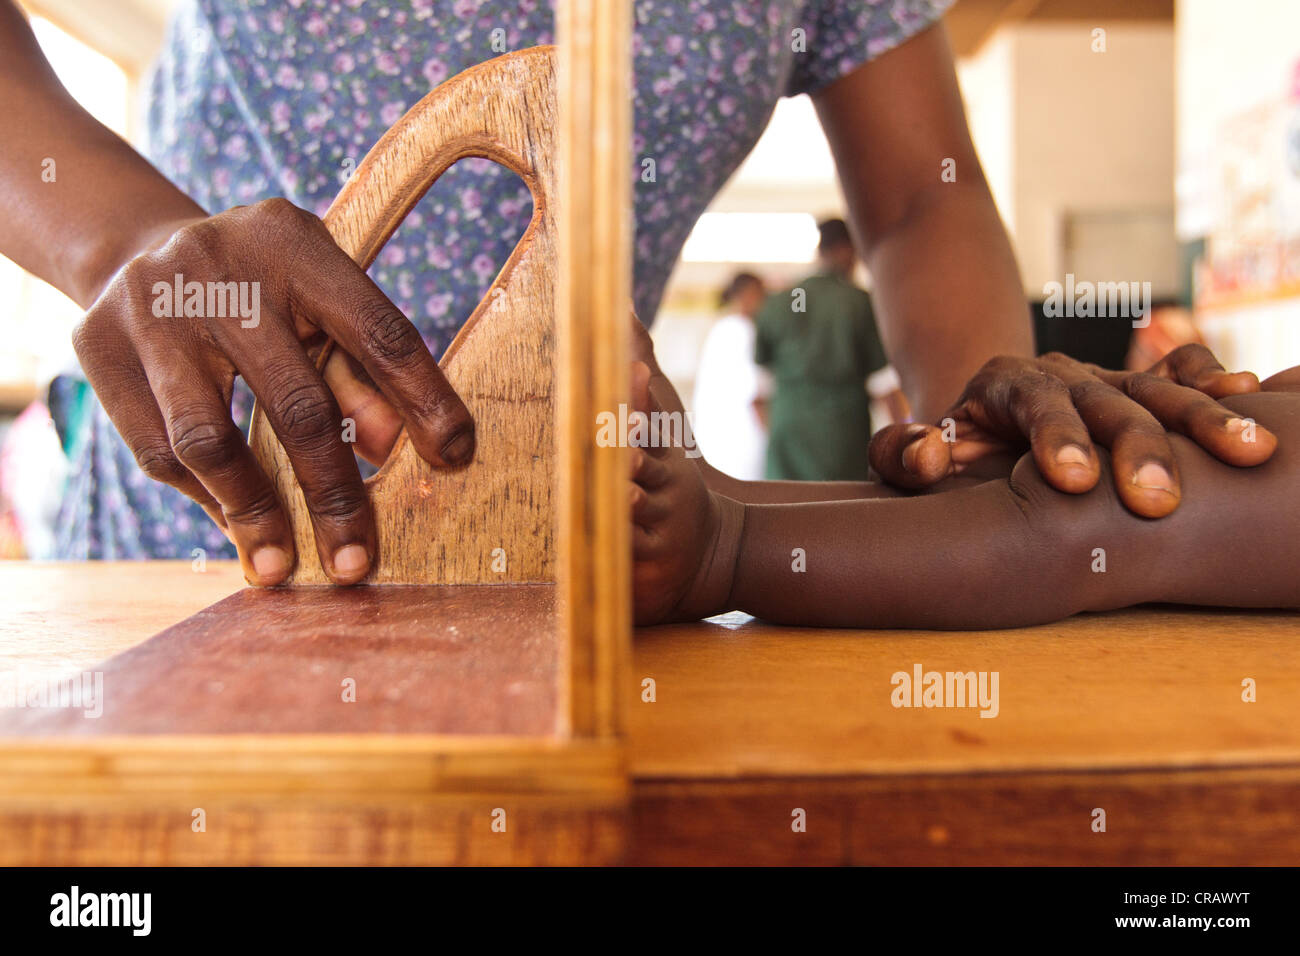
377, 422
911, 455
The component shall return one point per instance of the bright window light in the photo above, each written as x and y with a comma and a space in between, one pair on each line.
94, 81
752, 237
37, 320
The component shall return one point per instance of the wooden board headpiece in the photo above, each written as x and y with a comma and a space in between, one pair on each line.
492, 521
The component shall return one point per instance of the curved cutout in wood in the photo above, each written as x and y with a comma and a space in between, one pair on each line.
493, 520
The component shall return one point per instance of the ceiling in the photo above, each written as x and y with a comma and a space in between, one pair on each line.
971, 22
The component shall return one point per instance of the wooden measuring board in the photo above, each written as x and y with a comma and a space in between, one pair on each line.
474, 679
493, 520
420, 659
462, 639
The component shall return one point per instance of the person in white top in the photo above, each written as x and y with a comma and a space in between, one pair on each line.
731, 390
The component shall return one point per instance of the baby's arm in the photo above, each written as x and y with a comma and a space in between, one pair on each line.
1010, 552
770, 492
1018, 552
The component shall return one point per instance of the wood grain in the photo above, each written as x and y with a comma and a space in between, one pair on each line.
321, 799
416, 659
595, 292
416, 832
64, 772
1245, 817
1140, 688
60, 618
1136, 711
492, 521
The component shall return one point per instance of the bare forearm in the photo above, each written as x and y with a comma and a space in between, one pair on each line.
944, 561
948, 294
778, 492
78, 201
795, 492
1017, 552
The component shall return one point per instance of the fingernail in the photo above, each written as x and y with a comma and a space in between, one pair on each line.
1071, 455
460, 448
1154, 477
351, 559
271, 562
1235, 424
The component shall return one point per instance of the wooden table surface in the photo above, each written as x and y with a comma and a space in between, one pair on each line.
1141, 708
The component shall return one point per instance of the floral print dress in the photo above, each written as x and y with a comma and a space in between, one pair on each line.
259, 98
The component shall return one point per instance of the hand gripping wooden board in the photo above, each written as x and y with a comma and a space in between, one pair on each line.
467, 698
438, 655
492, 521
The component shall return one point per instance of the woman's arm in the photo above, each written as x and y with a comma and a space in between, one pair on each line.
949, 296
918, 457
947, 289
79, 201
82, 210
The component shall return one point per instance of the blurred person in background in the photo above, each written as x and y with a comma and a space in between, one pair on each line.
819, 341
731, 390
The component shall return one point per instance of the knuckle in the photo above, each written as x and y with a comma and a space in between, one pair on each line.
282, 220
256, 510
1091, 392
305, 411
341, 503
205, 445
85, 337
1056, 358
388, 337
137, 272
1003, 378
1000, 365
159, 463
130, 298
444, 405
1142, 387
276, 207
195, 243
1189, 351
1034, 390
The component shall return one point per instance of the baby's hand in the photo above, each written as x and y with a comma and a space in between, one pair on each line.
684, 537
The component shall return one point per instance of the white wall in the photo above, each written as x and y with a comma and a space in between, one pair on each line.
1063, 130
987, 83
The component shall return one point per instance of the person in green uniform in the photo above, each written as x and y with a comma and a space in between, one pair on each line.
819, 341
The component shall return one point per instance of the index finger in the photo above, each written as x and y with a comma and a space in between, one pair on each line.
1192, 366
1196, 367
340, 298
